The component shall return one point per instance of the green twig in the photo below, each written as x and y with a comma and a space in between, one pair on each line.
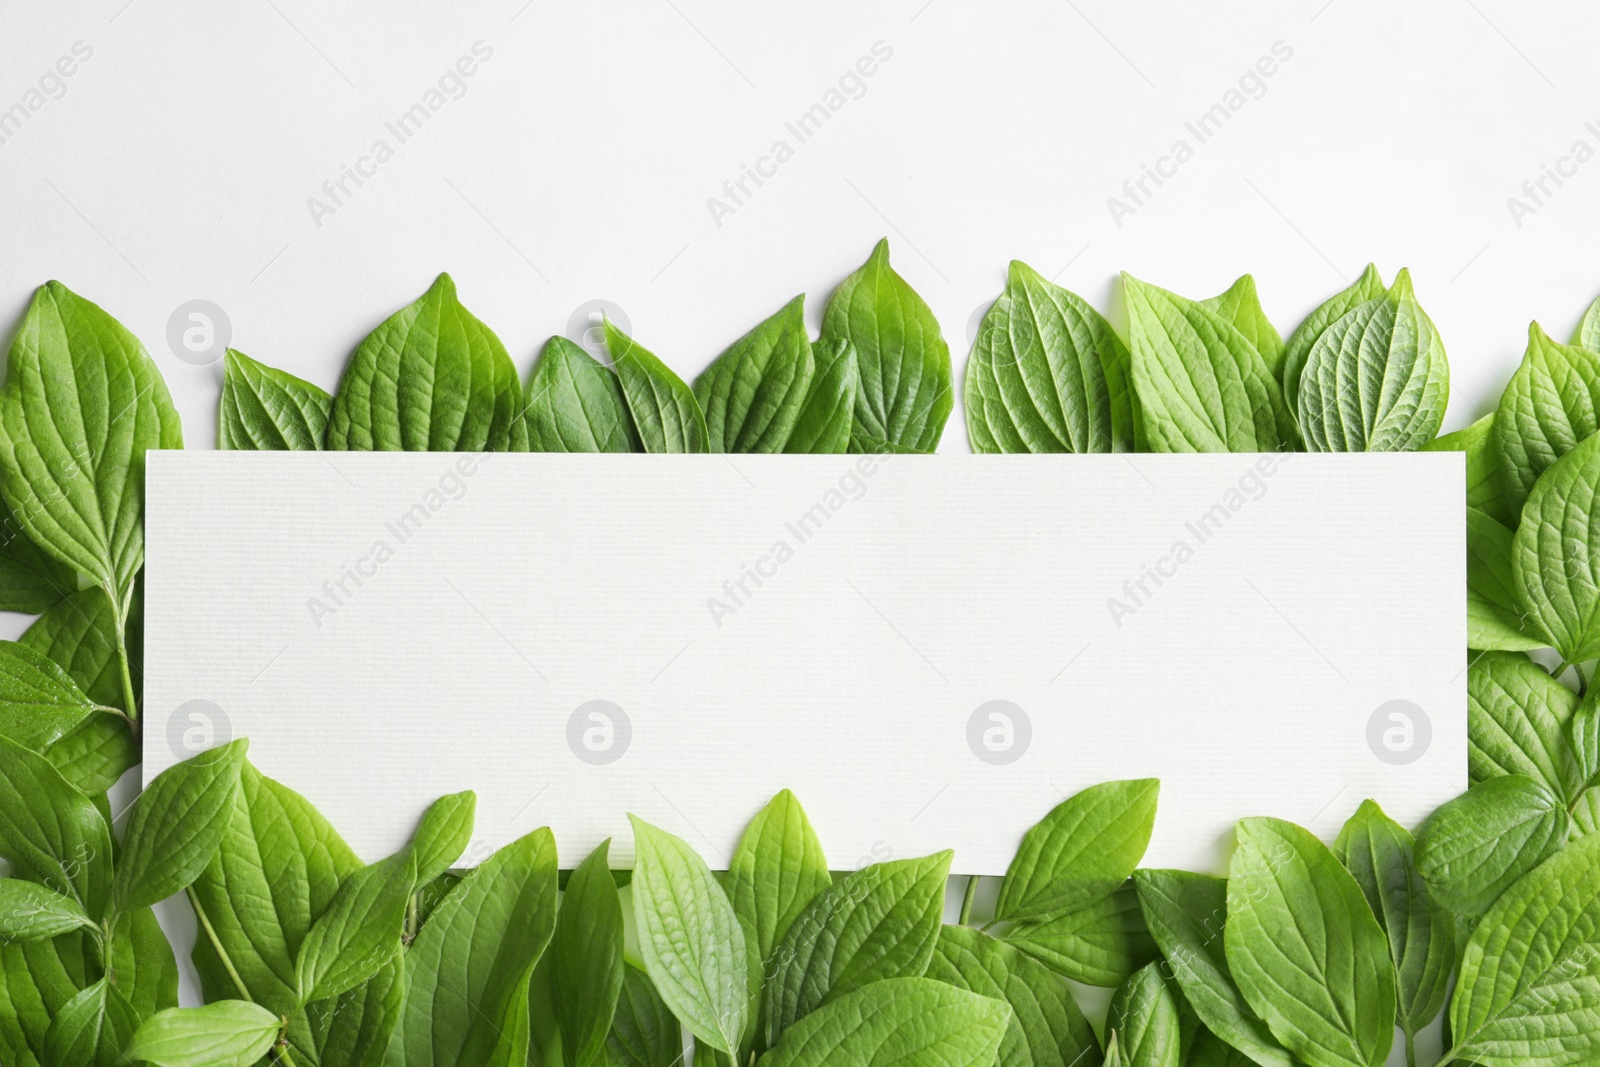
222, 953
966, 901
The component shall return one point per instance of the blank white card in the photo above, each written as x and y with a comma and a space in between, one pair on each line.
930, 651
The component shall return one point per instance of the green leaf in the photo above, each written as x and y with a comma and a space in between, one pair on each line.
1099, 944
51, 833
1187, 914
1528, 994
1202, 386
823, 426
32, 912
1557, 547
36, 980
359, 932
468, 972
1241, 306
1376, 380
31, 580
1583, 739
1551, 403
575, 404
1587, 333
905, 392
91, 1029
142, 960
586, 958
1080, 852
665, 412
879, 922
1306, 950
175, 826
1517, 717
1209, 1050
1484, 489
1381, 855
1471, 848
266, 409
1495, 619
644, 1032
39, 701
357, 1027
81, 404
898, 1020
1144, 1018
229, 1033
1047, 1029
1047, 374
443, 834
1298, 349
1586, 813
431, 378
692, 943
753, 393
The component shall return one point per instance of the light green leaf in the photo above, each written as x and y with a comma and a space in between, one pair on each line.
355, 1029
431, 378
1202, 386
443, 834
898, 1020
1306, 950
81, 404
266, 409
905, 392
586, 959
879, 922
823, 426
1186, 914
1586, 813
51, 833
692, 943
1529, 988
1047, 374
1080, 852
91, 1029
229, 1033
644, 1032
359, 932
1484, 481
175, 827
31, 580
468, 971
39, 701
1551, 403
1495, 619
753, 393
1557, 547
32, 912
1099, 944
1380, 854
1047, 1029
1587, 333
665, 412
1298, 349
1517, 717
575, 404
1583, 739
1241, 306
1144, 1018
1471, 848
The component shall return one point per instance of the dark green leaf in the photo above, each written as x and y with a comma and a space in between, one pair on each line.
359, 932
829, 410
665, 412
643, 1033
91, 1029
586, 958
753, 393
31, 580
51, 833
575, 404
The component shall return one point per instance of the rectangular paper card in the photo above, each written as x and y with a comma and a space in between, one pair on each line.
930, 651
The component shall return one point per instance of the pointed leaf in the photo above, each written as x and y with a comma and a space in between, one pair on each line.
1100, 944
643, 1033
575, 404
1551, 403
1298, 349
264, 408
39, 701
1241, 306
823, 425
1495, 619
1080, 852
665, 412
91, 1029
753, 393
1557, 553
51, 833
359, 932
443, 834
32, 912
229, 1033
586, 959
1517, 718
1471, 848
1144, 1018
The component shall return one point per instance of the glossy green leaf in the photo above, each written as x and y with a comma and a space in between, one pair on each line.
1517, 719
468, 972
586, 959
1080, 852
1305, 949
39, 701
31, 580
36, 981
266, 409
1047, 374
826, 416
1100, 944
1471, 848
1557, 553
1241, 306
1381, 855
1187, 914
51, 833
443, 834
898, 1020
665, 412
1047, 1028
1202, 386
575, 404
359, 932
1495, 618
1528, 994
142, 960
1144, 1018
1298, 348
431, 378
229, 1033
91, 1029
355, 1029
81, 404
692, 942
644, 1033
879, 922
753, 393
176, 825
905, 392
32, 912
1551, 403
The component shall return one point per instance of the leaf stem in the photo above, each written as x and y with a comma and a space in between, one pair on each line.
283, 1049
966, 900
119, 613
216, 943
1411, 1049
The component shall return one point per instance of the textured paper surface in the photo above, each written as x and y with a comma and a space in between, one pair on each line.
386, 628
